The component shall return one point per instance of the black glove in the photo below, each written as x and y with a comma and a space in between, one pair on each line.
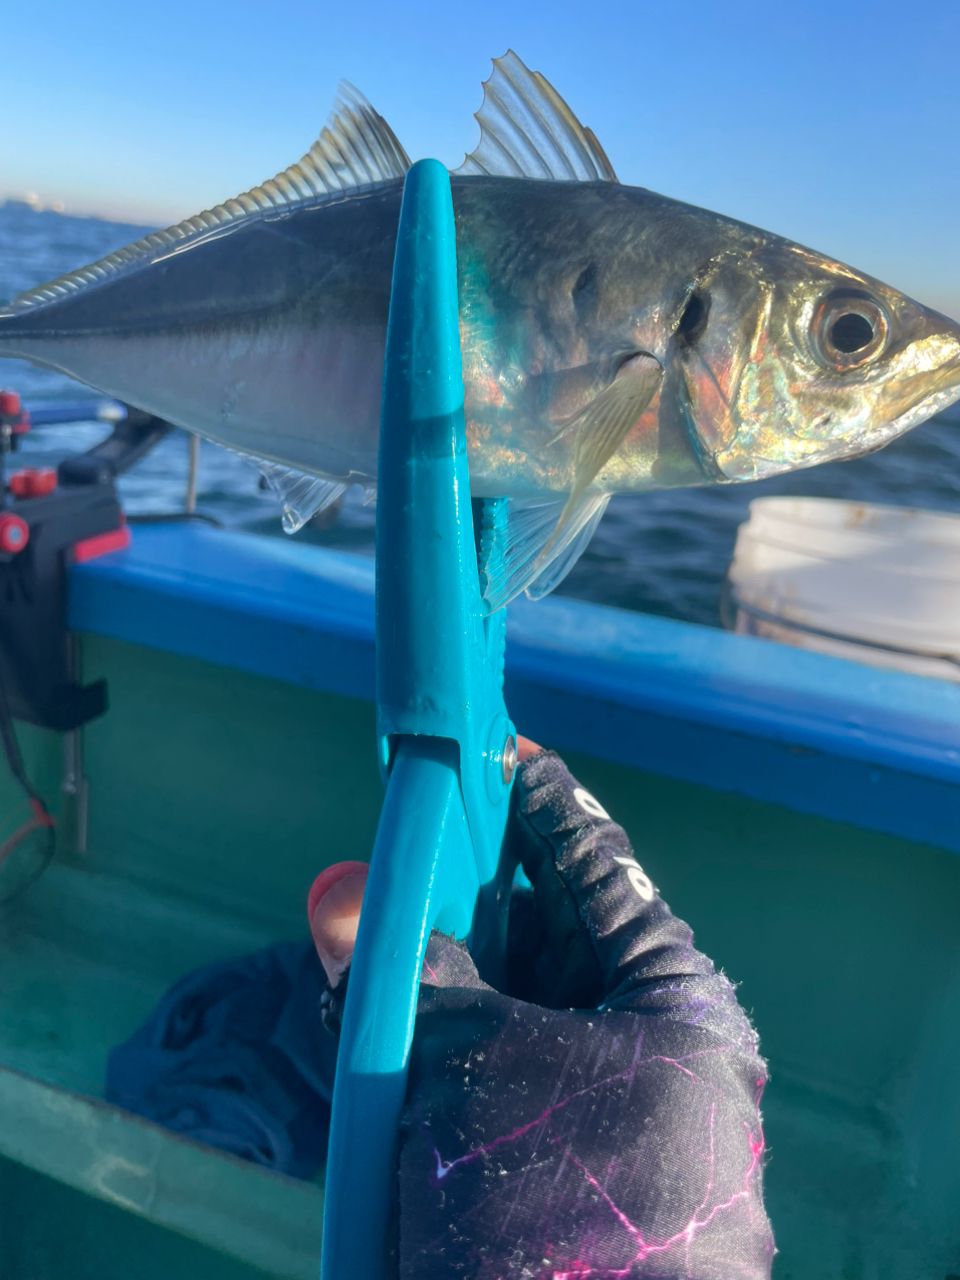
617, 1138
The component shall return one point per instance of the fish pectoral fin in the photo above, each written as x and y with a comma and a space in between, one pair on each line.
536, 544
603, 425
528, 131
541, 539
301, 495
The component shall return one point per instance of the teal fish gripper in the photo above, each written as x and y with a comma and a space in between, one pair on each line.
447, 745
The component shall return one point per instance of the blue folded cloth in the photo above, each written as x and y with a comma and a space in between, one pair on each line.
235, 1055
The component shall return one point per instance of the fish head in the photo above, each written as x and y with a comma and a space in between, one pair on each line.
788, 359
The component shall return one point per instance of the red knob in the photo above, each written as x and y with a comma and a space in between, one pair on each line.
14, 534
33, 482
44, 481
10, 404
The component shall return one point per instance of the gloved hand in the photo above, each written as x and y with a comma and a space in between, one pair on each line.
601, 1120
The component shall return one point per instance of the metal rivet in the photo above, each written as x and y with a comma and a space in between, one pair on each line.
509, 758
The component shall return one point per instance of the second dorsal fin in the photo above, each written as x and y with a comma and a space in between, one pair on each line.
528, 131
356, 148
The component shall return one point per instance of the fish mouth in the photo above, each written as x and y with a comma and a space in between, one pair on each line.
945, 392
930, 405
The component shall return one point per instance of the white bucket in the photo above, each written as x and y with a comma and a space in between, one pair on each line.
877, 584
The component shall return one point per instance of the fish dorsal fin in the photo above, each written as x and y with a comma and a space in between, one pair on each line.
301, 496
357, 148
528, 131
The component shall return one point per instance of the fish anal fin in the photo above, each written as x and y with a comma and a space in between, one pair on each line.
301, 495
528, 131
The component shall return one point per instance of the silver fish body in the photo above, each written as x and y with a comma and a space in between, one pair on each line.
613, 340
269, 338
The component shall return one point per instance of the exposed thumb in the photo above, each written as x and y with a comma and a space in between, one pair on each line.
333, 909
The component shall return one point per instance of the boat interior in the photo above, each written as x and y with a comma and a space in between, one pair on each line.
799, 810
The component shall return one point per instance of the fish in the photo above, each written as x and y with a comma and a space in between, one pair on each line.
613, 340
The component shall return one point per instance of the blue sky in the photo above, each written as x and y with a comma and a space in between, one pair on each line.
835, 124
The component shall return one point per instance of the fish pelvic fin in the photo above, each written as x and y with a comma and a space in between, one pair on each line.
356, 148
534, 544
528, 131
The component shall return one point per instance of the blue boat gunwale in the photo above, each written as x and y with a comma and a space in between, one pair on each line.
876, 748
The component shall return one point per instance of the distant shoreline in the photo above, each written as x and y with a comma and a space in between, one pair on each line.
19, 206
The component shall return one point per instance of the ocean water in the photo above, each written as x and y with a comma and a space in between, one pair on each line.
664, 553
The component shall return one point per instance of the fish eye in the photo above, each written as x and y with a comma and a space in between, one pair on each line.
849, 330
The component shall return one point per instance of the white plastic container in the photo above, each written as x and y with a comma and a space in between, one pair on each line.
877, 584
